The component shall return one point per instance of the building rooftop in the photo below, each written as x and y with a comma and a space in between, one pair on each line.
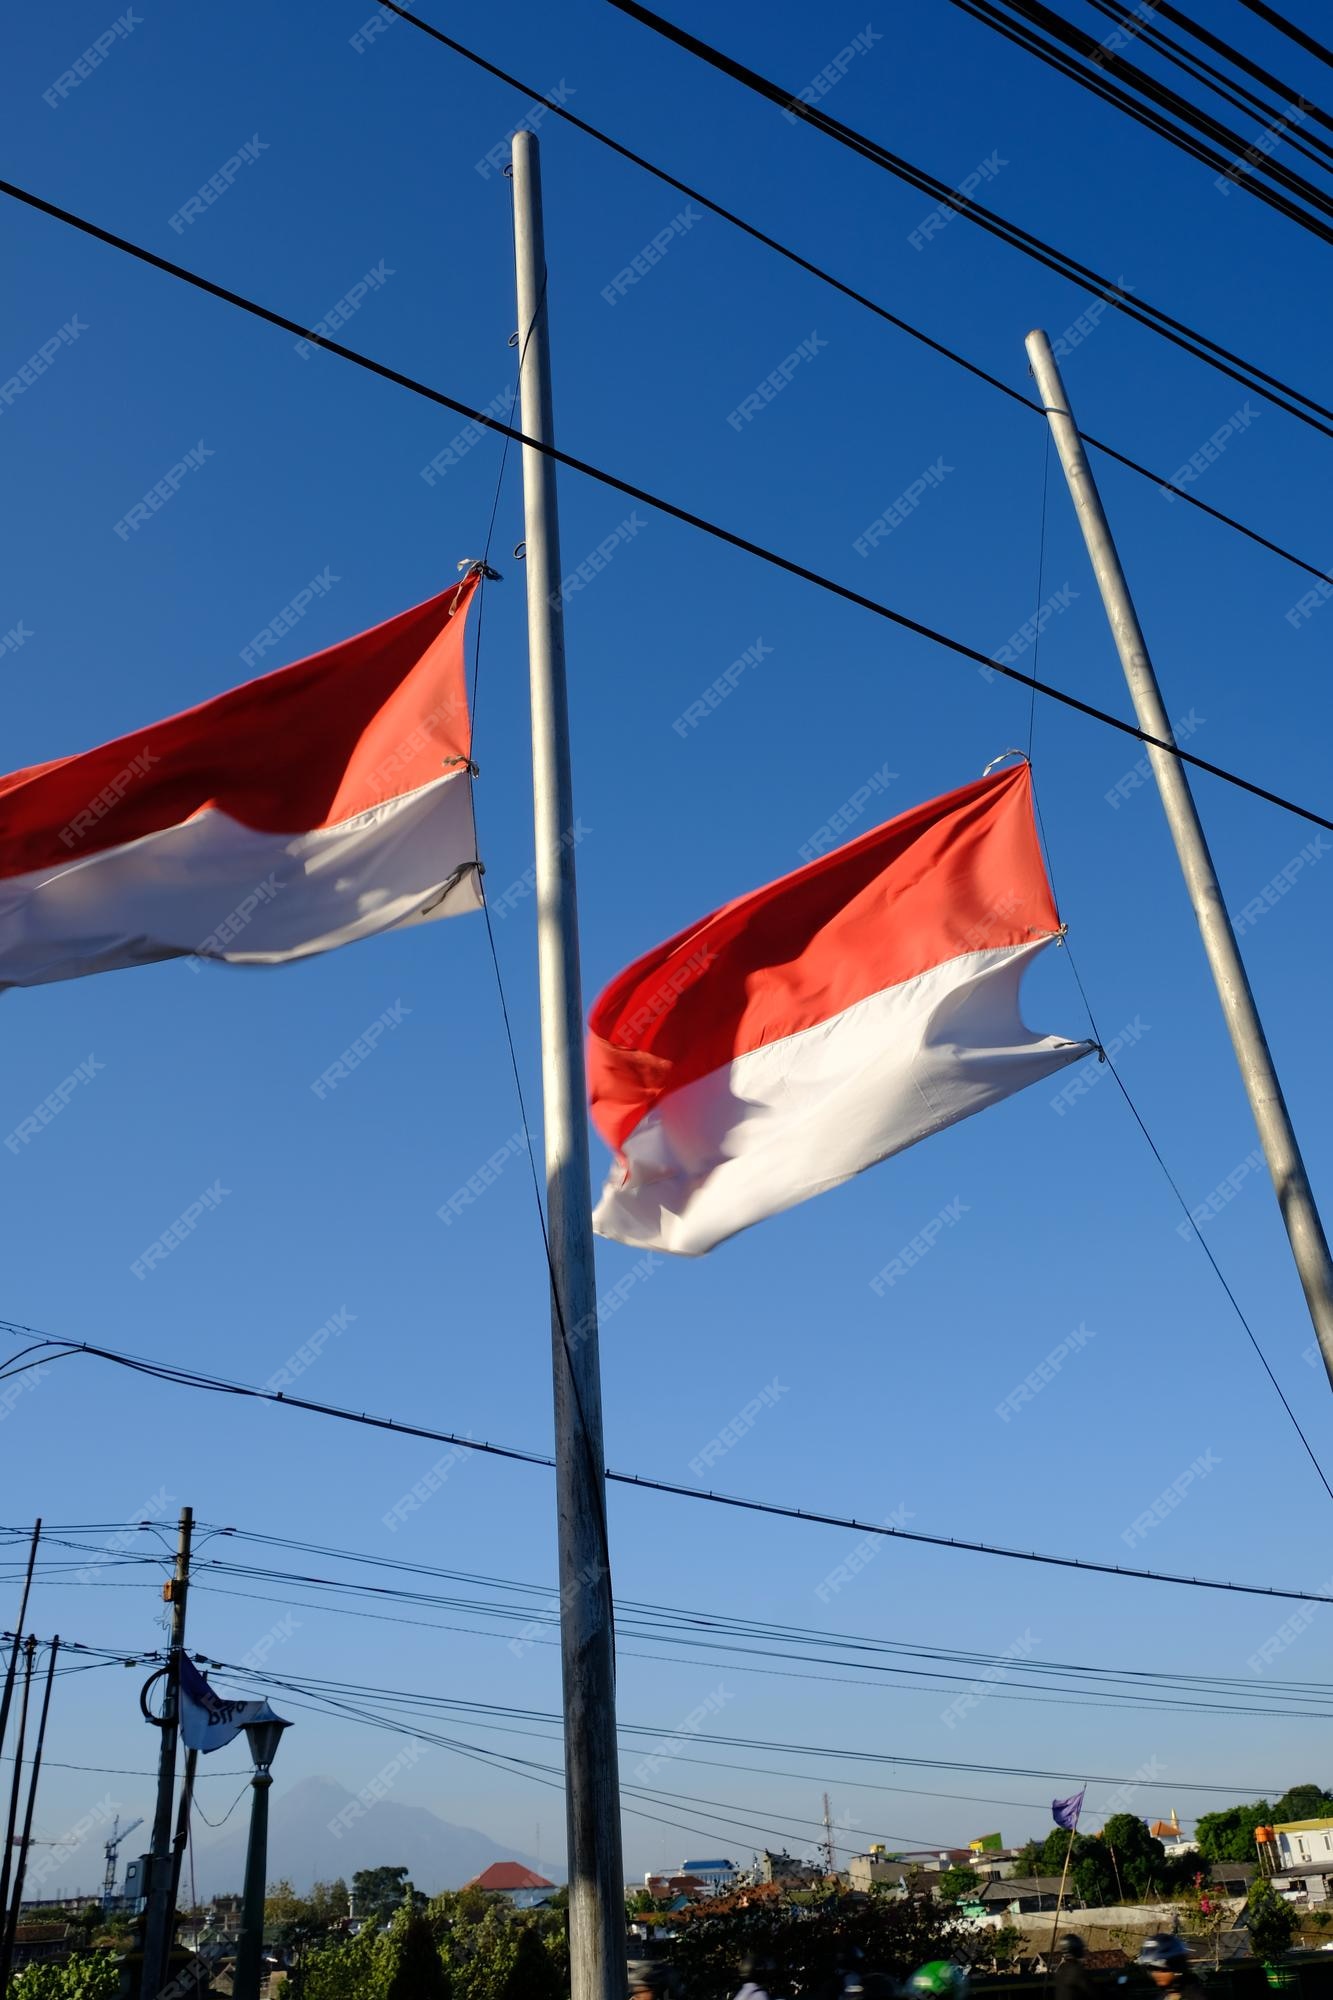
509, 1875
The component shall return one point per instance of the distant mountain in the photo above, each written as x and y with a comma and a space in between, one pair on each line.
301, 1846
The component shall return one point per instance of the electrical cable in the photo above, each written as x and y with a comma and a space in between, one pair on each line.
330, 1689
668, 507
219, 1385
1226, 87
1176, 1190
1221, 358
1290, 30
1234, 55
838, 285
1093, 77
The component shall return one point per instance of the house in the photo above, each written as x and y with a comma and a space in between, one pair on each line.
663, 1888
874, 1869
1173, 1840
994, 1864
715, 1875
511, 1879
1300, 1841
1022, 1894
785, 1868
1233, 1878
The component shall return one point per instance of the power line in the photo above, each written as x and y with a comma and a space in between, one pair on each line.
668, 507
923, 1680
219, 1385
657, 1732
1093, 78
1216, 80
1290, 30
1234, 55
839, 285
1223, 359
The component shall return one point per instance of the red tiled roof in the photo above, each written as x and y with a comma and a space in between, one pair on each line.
509, 1875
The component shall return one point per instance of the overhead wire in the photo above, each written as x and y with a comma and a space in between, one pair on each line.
1318, 415
1212, 41
1238, 95
1094, 78
846, 290
220, 1385
1290, 30
684, 514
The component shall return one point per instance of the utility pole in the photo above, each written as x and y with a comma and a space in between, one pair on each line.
1309, 1244
587, 1640
21, 1869
157, 1919
6, 1859
830, 1856
12, 1669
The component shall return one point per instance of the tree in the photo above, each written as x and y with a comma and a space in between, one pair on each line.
84, 1976
416, 1970
1272, 1922
1228, 1835
533, 1974
1139, 1858
806, 1943
956, 1883
379, 1892
1303, 1802
345, 1969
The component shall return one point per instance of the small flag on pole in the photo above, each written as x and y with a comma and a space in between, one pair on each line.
207, 1721
815, 1026
1065, 1812
323, 803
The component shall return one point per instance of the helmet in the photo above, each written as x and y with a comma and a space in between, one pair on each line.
1072, 1946
941, 1977
1164, 1951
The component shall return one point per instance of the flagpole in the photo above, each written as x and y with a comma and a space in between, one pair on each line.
592, 1791
1276, 1135
1064, 1875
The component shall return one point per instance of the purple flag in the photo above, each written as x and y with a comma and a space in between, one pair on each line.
1065, 1812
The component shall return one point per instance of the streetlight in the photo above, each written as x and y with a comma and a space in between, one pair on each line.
263, 1734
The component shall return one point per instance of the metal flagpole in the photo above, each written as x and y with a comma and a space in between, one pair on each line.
161, 1875
592, 1791
1296, 1200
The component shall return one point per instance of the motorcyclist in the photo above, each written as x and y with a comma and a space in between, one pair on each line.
1166, 1959
941, 1979
1072, 1981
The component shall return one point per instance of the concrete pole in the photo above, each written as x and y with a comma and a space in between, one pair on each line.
592, 1785
1309, 1245
157, 1920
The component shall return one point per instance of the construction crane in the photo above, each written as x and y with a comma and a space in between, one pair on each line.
118, 1833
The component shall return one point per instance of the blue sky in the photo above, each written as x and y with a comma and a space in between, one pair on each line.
372, 160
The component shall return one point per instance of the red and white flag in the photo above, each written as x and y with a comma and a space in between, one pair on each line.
326, 802
807, 1030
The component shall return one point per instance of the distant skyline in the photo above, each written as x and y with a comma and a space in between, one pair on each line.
1060, 1370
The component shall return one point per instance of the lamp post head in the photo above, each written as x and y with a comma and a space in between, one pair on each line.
264, 1734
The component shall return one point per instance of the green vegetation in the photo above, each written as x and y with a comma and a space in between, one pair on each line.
956, 1883
462, 1946
85, 1976
1273, 1923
